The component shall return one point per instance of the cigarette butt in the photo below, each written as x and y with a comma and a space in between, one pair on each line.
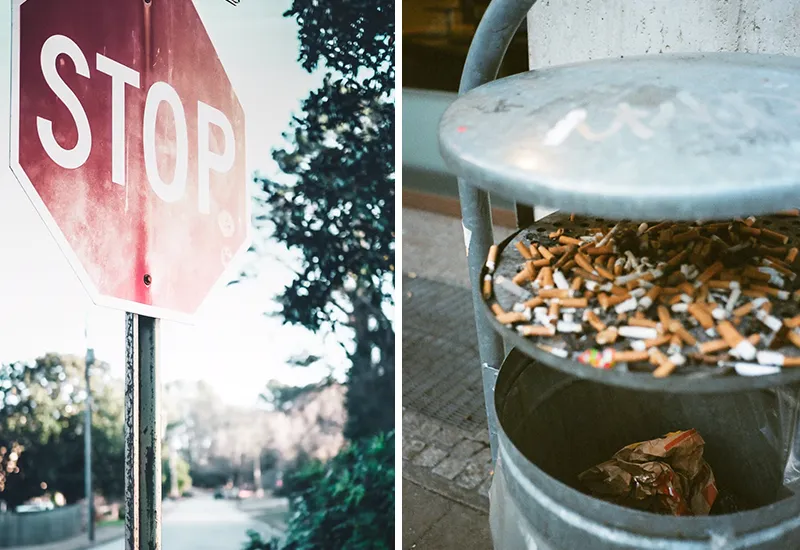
534, 250
541, 262
702, 294
778, 293
663, 316
657, 356
794, 212
511, 317
638, 333
677, 258
487, 287
554, 310
560, 280
557, 233
563, 239
657, 341
745, 309
594, 320
618, 291
752, 272
567, 256
497, 309
686, 236
604, 273
618, 299
608, 336
603, 299
754, 231
523, 250
553, 293
572, 217
599, 251
791, 256
547, 277
650, 297
675, 299
491, 260
618, 267
523, 276
638, 322
537, 330
664, 369
558, 250
577, 283
658, 227
794, 337
546, 254
774, 235
569, 266
708, 273
536, 301
631, 356
574, 302
702, 316
792, 322
686, 288
583, 261
677, 328
713, 346
730, 334
723, 285
587, 275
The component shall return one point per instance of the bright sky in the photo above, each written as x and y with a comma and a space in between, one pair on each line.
43, 306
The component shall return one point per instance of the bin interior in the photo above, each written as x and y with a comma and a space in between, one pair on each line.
568, 425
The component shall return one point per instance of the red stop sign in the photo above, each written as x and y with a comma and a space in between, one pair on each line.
129, 139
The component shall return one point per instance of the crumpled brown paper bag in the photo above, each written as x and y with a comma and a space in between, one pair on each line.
665, 476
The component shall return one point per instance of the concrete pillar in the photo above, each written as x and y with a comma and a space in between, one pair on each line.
567, 31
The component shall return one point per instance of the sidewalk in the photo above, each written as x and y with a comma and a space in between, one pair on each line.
102, 534
446, 456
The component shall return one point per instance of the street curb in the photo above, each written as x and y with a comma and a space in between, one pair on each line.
444, 488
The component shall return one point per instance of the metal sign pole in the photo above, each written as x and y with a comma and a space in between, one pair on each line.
87, 450
142, 434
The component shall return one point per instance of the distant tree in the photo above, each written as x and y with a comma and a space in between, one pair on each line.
41, 413
338, 212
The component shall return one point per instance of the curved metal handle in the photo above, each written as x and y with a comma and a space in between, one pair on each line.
492, 38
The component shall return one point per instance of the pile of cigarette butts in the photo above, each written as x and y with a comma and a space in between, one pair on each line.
657, 296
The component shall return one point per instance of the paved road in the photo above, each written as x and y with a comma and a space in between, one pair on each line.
201, 523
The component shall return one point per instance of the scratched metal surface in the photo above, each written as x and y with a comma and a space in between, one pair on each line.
686, 379
678, 136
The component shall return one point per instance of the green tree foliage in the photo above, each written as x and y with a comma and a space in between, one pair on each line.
349, 36
41, 413
338, 210
347, 503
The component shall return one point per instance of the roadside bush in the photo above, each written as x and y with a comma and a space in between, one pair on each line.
347, 503
256, 543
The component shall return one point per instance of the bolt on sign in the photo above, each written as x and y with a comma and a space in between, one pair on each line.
129, 139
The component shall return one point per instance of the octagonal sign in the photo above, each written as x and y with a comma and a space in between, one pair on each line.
129, 140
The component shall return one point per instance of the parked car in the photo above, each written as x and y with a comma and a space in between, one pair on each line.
35, 507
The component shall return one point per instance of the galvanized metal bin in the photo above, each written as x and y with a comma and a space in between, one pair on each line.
546, 425
552, 426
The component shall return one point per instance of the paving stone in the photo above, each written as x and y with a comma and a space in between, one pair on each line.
483, 459
450, 467
412, 447
411, 419
466, 449
429, 430
472, 476
429, 457
450, 436
481, 435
